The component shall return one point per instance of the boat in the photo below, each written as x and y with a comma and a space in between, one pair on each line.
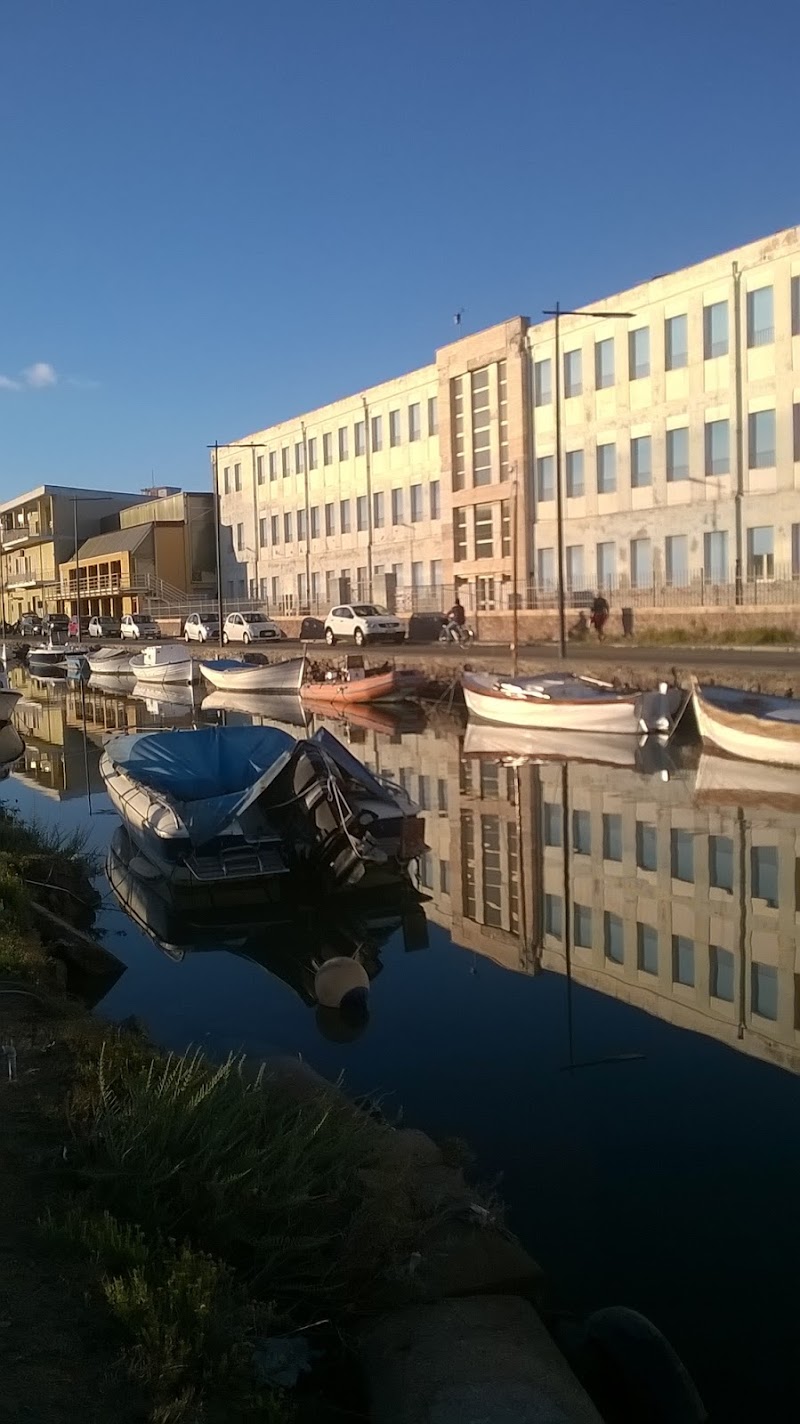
232, 675
160, 664
569, 703
282, 708
9, 697
752, 725
109, 661
731, 782
354, 684
47, 660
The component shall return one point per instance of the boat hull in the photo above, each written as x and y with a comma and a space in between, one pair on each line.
228, 676
617, 714
163, 670
741, 733
394, 686
109, 662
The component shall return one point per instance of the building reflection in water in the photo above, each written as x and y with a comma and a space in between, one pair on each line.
674, 888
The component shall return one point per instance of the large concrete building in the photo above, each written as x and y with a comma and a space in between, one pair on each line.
680, 423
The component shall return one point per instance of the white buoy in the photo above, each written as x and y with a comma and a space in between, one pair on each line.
342, 983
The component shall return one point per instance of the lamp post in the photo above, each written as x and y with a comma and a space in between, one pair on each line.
558, 311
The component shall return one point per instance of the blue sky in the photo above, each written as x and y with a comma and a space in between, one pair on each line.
217, 215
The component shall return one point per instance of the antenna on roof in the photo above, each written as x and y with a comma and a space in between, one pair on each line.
458, 315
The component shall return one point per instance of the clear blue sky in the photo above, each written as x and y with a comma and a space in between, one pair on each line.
216, 215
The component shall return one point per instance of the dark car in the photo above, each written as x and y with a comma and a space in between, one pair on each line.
55, 624
30, 625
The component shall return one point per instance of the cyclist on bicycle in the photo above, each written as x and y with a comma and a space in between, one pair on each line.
455, 619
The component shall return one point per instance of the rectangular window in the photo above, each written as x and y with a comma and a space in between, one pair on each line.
545, 478
720, 862
677, 454
434, 499
715, 330
582, 926
612, 836
575, 486
378, 515
414, 421
676, 559
682, 855
760, 317
262, 533
761, 439
459, 534
457, 414
641, 462
301, 525
796, 306
718, 443
260, 469
237, 477
647, 948
397, 506
362, 511
444, 876
273, 464
344, 444
573, 373
285, 465
639, 353
761, 552
553, 906
551, 818
720, 979
263, 589
543, 382
546, 569
394, 428
226, 479
433, 415
287, 528
582, 832
796, 430
299, 458
676, 342
361, 581
327, 449
764, 990
613, 938
330, 519
436, 573
274, 528
576, 581
360, 438
606, 564
764, 874
315, 521
715, 556
641, 563
442, 794
604, 363
646, 846
606, 468
481, 429
377, 432
344, 516
312, 453
416, 503
484, 538
683, 961
240, 537
276, 590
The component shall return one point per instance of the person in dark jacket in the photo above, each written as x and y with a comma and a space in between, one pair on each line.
600, 612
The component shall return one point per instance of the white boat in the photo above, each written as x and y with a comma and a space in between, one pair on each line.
47, 659
109, 661
752, 725
9, 697
228, 675
564, 702
163, 664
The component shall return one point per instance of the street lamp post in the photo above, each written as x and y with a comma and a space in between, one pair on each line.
558, 311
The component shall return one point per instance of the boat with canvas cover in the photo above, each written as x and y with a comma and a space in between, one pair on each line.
108, 662
232, 675
569, 703
752, 725
160, 664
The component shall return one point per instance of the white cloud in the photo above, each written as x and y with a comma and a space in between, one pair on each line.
40, 375
6, 384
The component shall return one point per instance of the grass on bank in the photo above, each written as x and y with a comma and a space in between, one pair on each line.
738, 635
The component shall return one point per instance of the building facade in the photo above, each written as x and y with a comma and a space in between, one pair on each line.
679, 416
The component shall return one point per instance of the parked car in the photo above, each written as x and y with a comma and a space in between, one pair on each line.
364, 623
76, 629
30, 625
199, 627
102, 625
55, 625
249, 628
138, 625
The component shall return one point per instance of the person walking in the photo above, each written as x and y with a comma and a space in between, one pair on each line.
600, 612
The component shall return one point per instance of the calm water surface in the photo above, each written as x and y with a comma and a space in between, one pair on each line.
642, 1109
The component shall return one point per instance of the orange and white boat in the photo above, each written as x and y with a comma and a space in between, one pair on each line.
354, 685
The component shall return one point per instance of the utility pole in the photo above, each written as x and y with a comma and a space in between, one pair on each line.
218, 539
77, 563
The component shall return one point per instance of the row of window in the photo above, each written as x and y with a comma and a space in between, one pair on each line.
274, 530
292, 460
721, 978
675, 568
763, 859
716, 342
761, 455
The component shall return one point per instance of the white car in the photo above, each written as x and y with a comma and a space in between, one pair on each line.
138, 625
249, 628
199, 627
364, 623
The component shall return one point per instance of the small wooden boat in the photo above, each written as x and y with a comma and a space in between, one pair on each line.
109, 662
564, 702
355, 684
752, 725
159, 664
229, 675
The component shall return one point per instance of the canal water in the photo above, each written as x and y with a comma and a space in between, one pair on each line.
601, 996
